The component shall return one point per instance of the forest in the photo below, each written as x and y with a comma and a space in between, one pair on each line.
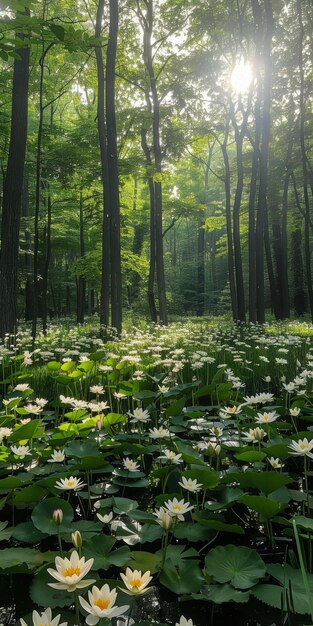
156, 157
156, 313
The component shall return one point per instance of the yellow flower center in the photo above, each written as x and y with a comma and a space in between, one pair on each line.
303, 446
70, 483
177, 507
136, 582
266, 417
70, 571
102, 604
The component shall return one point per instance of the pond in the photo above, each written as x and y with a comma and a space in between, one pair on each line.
172, 466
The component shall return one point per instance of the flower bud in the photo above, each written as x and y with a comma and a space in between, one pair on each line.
57, 516
77, 539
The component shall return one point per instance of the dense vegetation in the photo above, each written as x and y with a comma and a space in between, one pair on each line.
181, 452
157, 157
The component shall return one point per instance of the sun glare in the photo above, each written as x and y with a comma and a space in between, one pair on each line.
241, 77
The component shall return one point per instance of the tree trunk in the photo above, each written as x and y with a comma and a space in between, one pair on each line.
12, 194
307, 251
102, 134
230, 249
115, 243
266, 130
151, 277
200, 265
81, 280
46, 267
157, 152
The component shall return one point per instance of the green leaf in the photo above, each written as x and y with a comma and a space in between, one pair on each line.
27, 533
19, 560
144, 561
43, 595
264, 481
101, 549
42, 516
184, 577
218, 594
27, 431
251, 456
241, 566
175, 408
266, 507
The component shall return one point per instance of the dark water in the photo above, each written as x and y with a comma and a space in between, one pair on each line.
157, 606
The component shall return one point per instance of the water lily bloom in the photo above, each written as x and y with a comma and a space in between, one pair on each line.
45, 619
227, 411
69, 483
105, 519
266, 418
101, 604
171, 456
159, 433
139, 415
178, 508
20, 451
190, 485
57, 516
21, 387
77, 539
70, 572
130, 465
5, 432
259, 398
34, 409
302, 447
134, 582
164, 518
98, 389
295, 411
275, 463
184, 622
57, 456
255, 434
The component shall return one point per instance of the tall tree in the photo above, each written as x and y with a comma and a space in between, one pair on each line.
13, 188
113, 172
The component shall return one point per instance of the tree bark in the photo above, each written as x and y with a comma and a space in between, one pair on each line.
264, 150
102, 134
157, 153
81, 280
307, 251
12, 194
115, 243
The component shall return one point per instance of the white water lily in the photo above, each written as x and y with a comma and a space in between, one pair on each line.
159, 433
5, 432
21, 451
178, 508
275, 463
171, 456
255, 434
184, 622
70, 572
190, 485
105, 519
130, 465
69, 483
57, 456
302, 447
139, 415
134, 582
295, 411
266, 418
164, 518
101, 604
44, 619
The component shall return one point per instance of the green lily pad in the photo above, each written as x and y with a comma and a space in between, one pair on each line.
241, 566
42, 516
